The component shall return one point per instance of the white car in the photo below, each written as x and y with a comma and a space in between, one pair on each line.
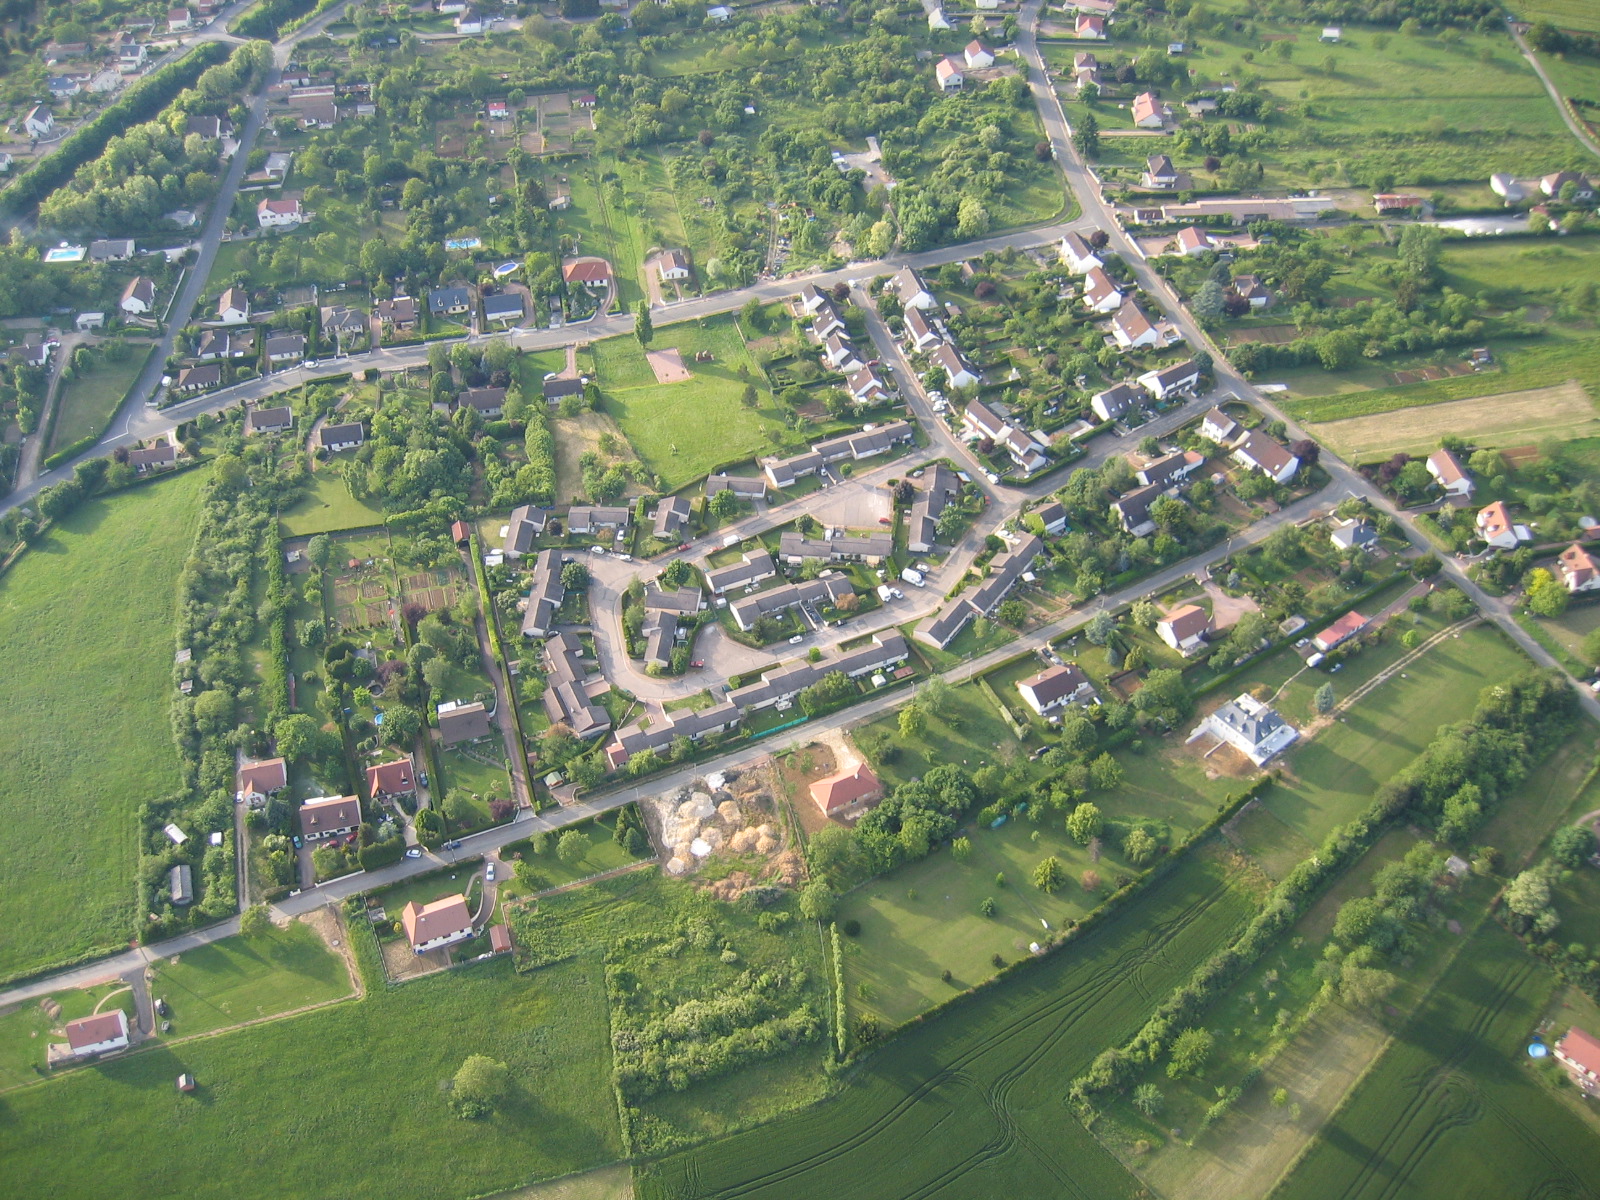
489, 874
797, 639
413, 853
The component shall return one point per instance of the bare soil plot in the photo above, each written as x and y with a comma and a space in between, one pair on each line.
434, 588
1563, 410
1426, 374
668, 366
1272, 335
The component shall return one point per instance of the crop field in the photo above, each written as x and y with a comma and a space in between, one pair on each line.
1452, 1108
383, 1128
86, 636
1563, 410
971, 1104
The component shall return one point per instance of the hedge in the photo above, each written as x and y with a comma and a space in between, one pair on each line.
268, 19
66, 453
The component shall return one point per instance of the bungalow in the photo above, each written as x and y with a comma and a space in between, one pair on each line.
812, 298
672, 515
922, 531
1496, 527
660, 636
1449, 474
460, 722
957, 371
1579, 1053
198, 379
279, 214
545, 594
334, 438
105, 250
1100, 294
849, 788
977, 56
260, 780
525, 526
1170, 469
591, 274
1084, 60
342, 321
139, 296
1551, 185
1052, 518
1185, 629
1219, 427
1131, 327
1250, 727
1260, 453
329, 816
873, 548
1132, 509
1116, 401
1353, 534
1079, 257
1193, 240
566, 697
438, 924
153, 458
84, 322
1390, 202
269, 420
829, 588
506, 308
1579, 569
1091, 27
97, 1034
557, 390
920, 332
391, 778
913, 293
1148, 111
947, 71
179, 20
233, 306
673, 266
286, 348
449, 301
1507, 187
840, 354
1056, 687
486, 401
752, 568
745, 487
39, 123
469, 22
941, 629
1252, 291
1179, 379
593, 518
1159, 173
1340, 632
399, 314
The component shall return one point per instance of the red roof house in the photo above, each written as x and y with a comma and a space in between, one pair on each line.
1579, 1053
99, 1033
260, 779
1579, 569
391, 779
854, 786
1341, 631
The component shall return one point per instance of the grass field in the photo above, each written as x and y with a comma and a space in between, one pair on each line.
328, 506
367, 1076
86, 405
548, 871
242, 979
86, 636
1567, 14
1563, 411
1454, 1099
972, 1103
26, 1031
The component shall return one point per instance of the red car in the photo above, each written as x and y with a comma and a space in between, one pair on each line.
885, 521
698, 664
683, 545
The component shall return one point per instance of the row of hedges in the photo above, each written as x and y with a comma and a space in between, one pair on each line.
271, 18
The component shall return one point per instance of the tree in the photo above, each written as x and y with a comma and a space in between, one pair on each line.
1529, 893
1100, 628
572, 846
1147, 1097
1571, 845
1325, 698
961, 849
1363, 987
1086, 137
724, 504
574, 577
297, 736
255, 921
430, 827
1106, 772
987, 906
1084, 823
321, 551
478, 1086
1012, 613
1140, 847
1547, 596
643, 328
912, 722
1208, 301
1144, 614
1091, 881
1049, 875
1189, 1053
817, 901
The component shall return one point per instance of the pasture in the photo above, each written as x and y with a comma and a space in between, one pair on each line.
380, 1066
86, 621
1566, 14
86, 405
970, 1104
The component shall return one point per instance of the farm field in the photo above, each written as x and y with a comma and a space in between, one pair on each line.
970, 1104
86, 635
1454, 1098
375, 1075
1566, 14
243, 979
86, 405
326, 507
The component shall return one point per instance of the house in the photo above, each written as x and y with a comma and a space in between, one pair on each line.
1272, 458
525, 526
179, 20
329, 816
672, 515
63, 87
440, 923
469, 22
1251, 290
1170, 469
1079, 257
334, 438
828, 589
1219, 427
1390, 202
180, 885
941, 629
1148, 111
938, 488
1132, 328
198, 379
98, 1034
1159, 173
812, 298
1353, 534
566, 697
1090, 27
545, 593
977, 56
592, 274
1052, 518
1507, 187
131, 55
913, 293
233, 306
827, 322
1341, 631
341, 321
1132, 509
1331, 34
1496, 527
920, 331
451, 8
396, 778
840, 354
182, 218
1185, 629
209, 127
153, 458
111, 250
719, 13
220, 343
745, 487
673, 266
39, 123
592, 518
506, 308
486, 402
1116, 402
1193, 240
753, 568
866, 386
794, 548
460, 722
1026, 451
1084, 60
449, 301
557, 390
269, 420
1551, 185
660, 636
497, 110
1579, 1053
279, 214
958, 373
1179, 379
399, 314
1449, 474
1578, 569
84, 322
286, 348
1100, 294
260, 780
139, 296
1250, 727
948, 73
851, 788
1057, 687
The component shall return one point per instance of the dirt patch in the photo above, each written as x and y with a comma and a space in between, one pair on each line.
1272, 335
577, 436
399, 963
1427, 374
1225, 609
1562, 410
728, 826
798, 771
604, 1183
668, 366
328, 922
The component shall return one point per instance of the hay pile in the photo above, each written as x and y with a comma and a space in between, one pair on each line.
712, 815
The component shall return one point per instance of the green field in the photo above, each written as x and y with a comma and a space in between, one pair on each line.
365, 1077
972, 1104
243, 979
328, 506
1567, 14
85, 406
548, 871
1452, 1108
26, 1031
86, 636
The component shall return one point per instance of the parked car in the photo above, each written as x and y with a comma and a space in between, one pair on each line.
698, 664
489, 874
414, 852
453, 844
797, 639
297, 841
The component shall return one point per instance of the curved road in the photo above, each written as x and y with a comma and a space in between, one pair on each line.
1577, 128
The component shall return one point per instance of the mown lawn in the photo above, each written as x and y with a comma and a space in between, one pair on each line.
25, 1032
326, 507
86, 405
86, 621
369, 1077
243, 979
548, 871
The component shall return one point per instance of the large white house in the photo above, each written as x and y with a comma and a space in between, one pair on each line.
39, 123
1250, 727
280, 214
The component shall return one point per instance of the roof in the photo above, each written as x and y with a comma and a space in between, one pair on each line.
390, 777
1145, 106
499, 938
281, 207
505, 304
741, 485
1133, 322
756, 565
463, 723
949, 67
1248, 717
1187, 622
330, 813
202, 376
286, 343
1495, 519
844, 788
154, 455
1342, 630
907, 283
263, 777
679, 600
102, 1027
142, 288
269, 418
339, 435
441, 918
1581, 1048
1220, 420
1446, 467
526, 523
1578, 566
1270, 455
947, 356
1054, 684
1097, 286
487, 399
1192, 237
445, 298
1159, 164
586, 270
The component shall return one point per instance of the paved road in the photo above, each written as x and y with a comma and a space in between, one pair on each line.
1560, 101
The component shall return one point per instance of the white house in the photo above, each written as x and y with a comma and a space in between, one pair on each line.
233, 307
977, 55
1078, 255
1185, 629
1250, 727
1578, 569
1115, 401
1100, 293
1252, 291
469, 22
949, 74
956, 368
1193, 240
98, 1034
1219, 427
1056, 687
39, 123
1170, 381
139, 296
908, 285
280, 214
335, 438
1148, 112
841, 355
1159, 173
672, 266
1449, 474
1090, 27
920, 331
1261, 453
1496, 527
866, 385
434, 926
1132, 328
